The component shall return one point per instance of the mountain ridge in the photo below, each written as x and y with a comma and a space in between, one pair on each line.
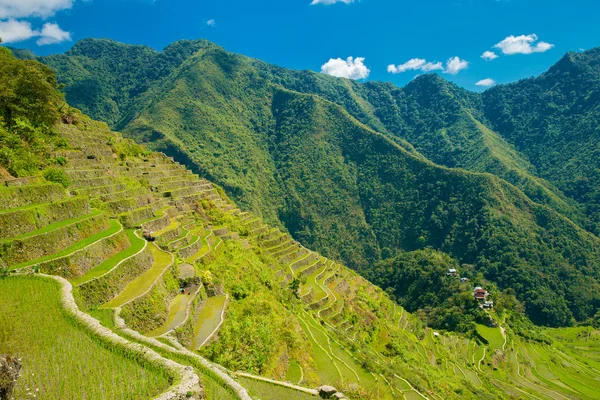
225, 116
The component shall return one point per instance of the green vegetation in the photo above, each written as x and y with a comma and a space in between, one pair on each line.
493, 336
143, 282
264, 390
327, 161
208, 320
29, 102
135, 245
418, 281
113, 227
345, 167
55, 349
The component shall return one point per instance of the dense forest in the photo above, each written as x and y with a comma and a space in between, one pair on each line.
503, 184
29, 106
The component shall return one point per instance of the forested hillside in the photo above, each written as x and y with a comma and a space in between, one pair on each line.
554, 120
120, 262
364, 172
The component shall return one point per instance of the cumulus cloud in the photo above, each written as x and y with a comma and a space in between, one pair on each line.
416, 64
454, 65
329, 2
13, 31
211, 22
486, 82
489, 55
524, 44
32, 8
51, 34
351, 68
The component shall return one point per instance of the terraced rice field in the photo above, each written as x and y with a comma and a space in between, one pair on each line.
113, 228
138, 286
492, 335
208, 320
177, 312
59, 357
264, 390
135, 245
294, 373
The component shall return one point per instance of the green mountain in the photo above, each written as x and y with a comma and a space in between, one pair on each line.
360, 172
120, 262
553, 121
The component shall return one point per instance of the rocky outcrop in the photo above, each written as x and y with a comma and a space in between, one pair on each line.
10, 366
329, 392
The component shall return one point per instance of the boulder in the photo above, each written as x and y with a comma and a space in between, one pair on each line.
327, 392
9, 373
339, 395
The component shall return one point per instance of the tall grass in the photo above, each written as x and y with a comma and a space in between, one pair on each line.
60, 359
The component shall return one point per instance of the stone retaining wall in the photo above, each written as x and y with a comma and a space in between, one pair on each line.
190, 250
310, 270
18, 251
14, 223
131, 219
100, 290
150, 310
309, 259
157, 224
20, 196
80, 262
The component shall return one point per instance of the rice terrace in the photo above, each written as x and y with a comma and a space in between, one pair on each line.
192, 223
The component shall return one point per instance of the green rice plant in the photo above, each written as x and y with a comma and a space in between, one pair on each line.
492, 335
135, 245
61, 360
265, 390
142, 283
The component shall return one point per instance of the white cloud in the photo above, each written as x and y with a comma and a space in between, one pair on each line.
32, 8
350, 68
524, 44
489, 55
211, 22
428, 67
486, 82
454, 65
416, 64
12, 31
52, 34
329, 2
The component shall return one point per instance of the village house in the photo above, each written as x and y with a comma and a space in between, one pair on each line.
452, 272
480, 294
488, 304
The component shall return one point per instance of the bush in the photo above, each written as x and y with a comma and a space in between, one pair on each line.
57, 176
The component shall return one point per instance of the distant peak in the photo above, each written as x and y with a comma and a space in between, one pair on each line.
95, 48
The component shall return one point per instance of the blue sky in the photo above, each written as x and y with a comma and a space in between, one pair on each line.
398, 39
